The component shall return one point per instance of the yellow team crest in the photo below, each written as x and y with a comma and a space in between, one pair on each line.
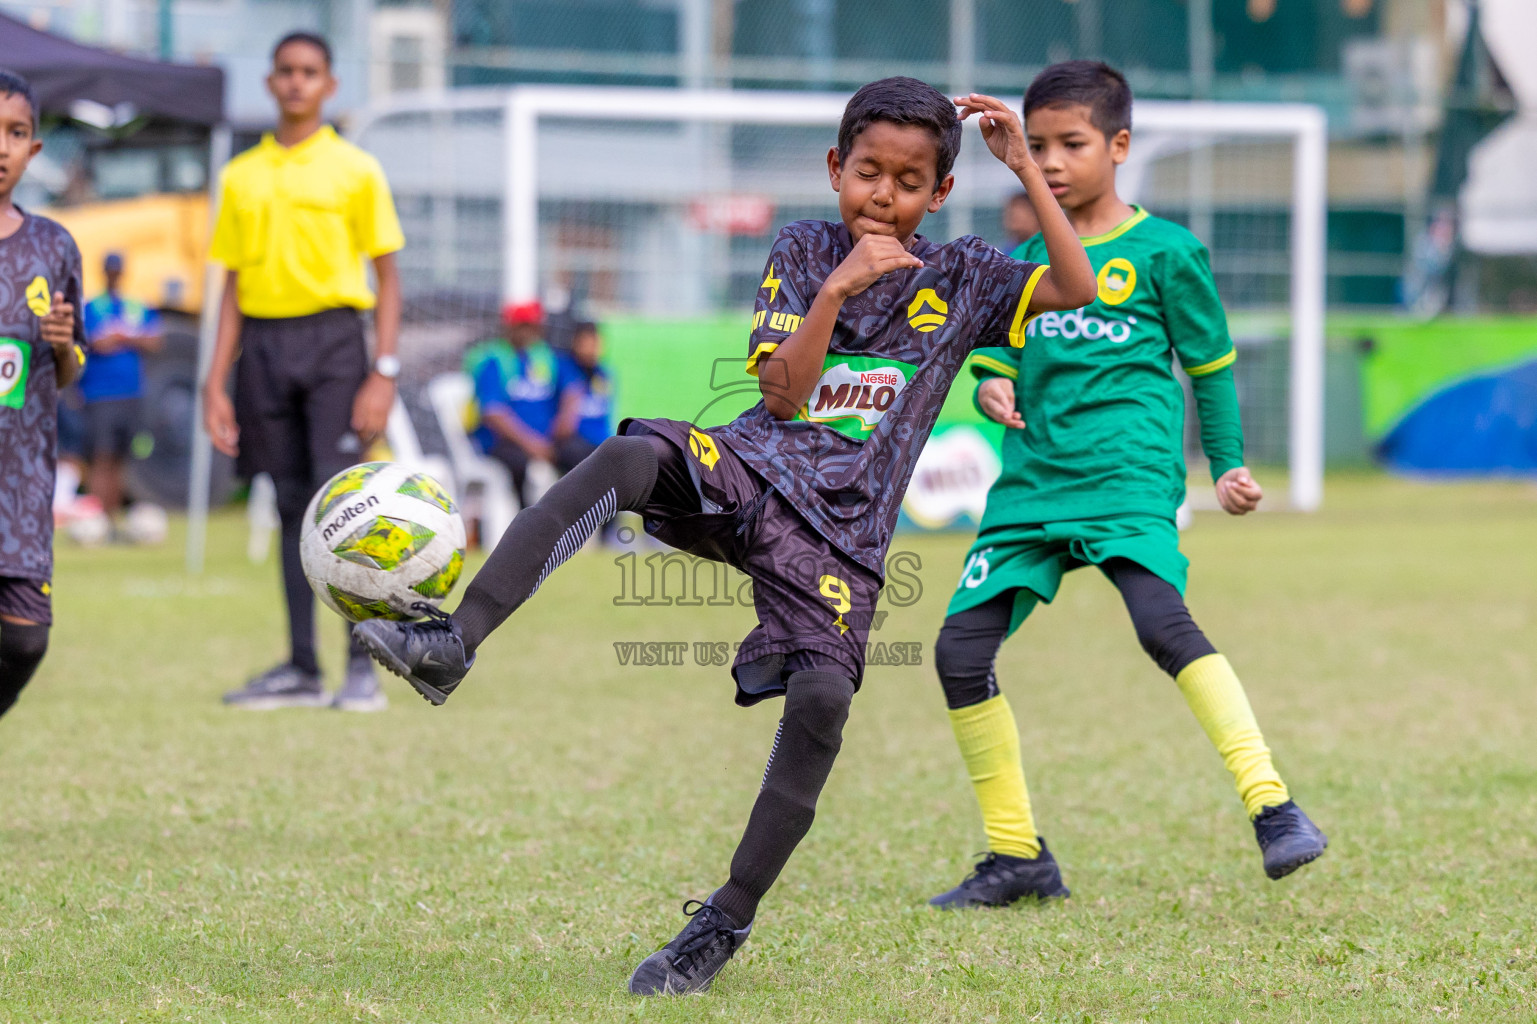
772, 283
39, 301
702, 446
1117, 280
927, 322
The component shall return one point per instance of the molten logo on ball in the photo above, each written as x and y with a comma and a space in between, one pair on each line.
380, 541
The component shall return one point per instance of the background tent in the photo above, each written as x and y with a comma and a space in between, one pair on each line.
1484, 425
63, 72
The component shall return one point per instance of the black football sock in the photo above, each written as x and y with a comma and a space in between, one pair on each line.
617, 477
810, 733
22, 647
292, 498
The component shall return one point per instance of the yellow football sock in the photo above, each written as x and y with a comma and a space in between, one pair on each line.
1213, 691
989, 742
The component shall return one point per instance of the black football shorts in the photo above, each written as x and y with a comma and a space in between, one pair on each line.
28, 600
814, 603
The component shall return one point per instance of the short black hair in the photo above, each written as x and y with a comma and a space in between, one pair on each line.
12, 84
317, 41
1086, 83
902, 100
584, 327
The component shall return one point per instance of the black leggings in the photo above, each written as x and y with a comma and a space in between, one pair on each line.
968, 642
22, 646
647, 471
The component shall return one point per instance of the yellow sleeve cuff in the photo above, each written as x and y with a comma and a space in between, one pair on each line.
981, 364
1214, 365
758, 355
1022, 315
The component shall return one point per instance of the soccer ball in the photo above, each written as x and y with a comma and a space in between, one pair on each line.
379, 538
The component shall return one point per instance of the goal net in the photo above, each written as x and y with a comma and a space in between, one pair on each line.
653, 210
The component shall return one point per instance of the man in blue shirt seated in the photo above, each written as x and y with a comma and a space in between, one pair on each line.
517, 393
119, 332
585, 416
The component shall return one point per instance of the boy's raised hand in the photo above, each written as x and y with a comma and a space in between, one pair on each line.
996, 397
872, 257
1238, 493
1001, 129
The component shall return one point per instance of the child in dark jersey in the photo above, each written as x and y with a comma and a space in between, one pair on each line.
41, 350
859, 329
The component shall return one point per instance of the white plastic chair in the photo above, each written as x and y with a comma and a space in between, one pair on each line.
406, 447
479, 477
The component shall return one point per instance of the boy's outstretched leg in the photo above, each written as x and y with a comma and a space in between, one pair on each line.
434, 655
810, 734
1017, 863
1287, 838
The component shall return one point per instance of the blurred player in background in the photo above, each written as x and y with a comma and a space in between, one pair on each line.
298, 216
586, 415
69, 473
1093, 471
119, 332
41, 350
1019, 221
859, 329
516, 393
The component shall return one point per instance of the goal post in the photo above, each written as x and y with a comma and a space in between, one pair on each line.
1306, 128
649, 202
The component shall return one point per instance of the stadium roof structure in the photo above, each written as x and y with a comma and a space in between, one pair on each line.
64, 72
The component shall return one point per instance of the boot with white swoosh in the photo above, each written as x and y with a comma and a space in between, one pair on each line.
428, 654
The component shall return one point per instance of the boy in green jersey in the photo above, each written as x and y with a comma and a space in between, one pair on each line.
1094, 472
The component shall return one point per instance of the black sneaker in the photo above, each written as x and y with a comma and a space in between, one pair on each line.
360, 691
428, 654
690, 962
999, 879
285, 686
1287, 838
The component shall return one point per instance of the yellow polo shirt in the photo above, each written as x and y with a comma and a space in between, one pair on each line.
298, 223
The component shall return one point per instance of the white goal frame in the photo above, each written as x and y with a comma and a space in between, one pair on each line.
1304, 125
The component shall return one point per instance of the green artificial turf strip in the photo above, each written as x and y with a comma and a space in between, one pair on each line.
513, 855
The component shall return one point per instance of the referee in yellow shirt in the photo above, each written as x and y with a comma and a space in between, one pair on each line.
298, 216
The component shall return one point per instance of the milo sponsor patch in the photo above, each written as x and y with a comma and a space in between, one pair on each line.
854, 392
15, 361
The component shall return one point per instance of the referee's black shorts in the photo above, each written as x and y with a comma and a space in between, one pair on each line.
295, 382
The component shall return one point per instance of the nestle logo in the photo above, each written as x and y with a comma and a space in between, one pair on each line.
347, 515
880, 377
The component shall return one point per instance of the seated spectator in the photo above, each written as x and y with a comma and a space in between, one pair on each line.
516, 379
585, 416
119, 331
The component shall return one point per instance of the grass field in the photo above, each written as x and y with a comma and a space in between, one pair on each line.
511, 856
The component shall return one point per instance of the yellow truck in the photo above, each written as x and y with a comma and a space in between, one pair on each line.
163, 238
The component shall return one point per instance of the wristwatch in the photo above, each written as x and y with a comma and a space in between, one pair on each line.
387, 367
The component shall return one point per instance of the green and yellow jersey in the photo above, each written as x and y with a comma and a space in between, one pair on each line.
1104, 413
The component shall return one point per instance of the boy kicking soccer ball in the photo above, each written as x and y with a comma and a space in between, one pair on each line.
1093, 472
859, 329
40, 351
